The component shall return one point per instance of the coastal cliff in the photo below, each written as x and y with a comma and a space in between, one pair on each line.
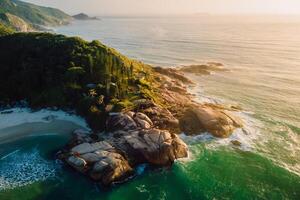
25, 17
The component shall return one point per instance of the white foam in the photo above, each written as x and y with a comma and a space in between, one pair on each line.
20, 169
247, 136
20, 116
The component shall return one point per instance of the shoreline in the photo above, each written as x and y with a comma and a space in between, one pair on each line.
17, 116
30, 129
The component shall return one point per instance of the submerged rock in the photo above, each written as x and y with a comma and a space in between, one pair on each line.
204, 69
174, 74
207, 119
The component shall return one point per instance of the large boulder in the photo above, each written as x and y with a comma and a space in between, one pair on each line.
162, 118
110, 168
100, 161
143, 120
120, 121
159, 147
216, 121
174, 74
131, 140
77, 162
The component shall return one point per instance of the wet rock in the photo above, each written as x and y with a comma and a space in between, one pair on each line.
91, 157
204, 69
162, 118
206, 119
174, 74
77, 162
111, 168
157, 146
113, 160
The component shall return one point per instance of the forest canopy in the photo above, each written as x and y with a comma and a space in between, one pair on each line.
54, 70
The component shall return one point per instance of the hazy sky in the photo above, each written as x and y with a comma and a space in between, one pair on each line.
139, 7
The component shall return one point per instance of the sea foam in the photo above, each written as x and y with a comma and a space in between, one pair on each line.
24, 168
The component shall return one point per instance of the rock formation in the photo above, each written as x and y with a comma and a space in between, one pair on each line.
113, 156
147, 133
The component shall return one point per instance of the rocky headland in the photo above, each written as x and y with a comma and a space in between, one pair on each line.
135, 111
148, 133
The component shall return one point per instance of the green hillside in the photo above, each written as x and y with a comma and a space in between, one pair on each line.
4, 30
33, 14
68, 72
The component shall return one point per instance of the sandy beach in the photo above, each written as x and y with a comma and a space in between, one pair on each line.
22, 122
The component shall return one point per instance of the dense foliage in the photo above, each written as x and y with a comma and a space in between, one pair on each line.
4, 30
33, 14
55, 70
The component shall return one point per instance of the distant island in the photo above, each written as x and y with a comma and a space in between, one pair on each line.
83, 16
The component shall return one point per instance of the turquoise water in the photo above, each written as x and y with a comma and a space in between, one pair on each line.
214, 174
264, 62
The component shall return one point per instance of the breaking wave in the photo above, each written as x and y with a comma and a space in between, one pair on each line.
24, 168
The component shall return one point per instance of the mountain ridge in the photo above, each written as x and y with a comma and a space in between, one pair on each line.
33, 15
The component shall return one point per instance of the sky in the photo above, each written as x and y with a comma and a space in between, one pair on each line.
170, 7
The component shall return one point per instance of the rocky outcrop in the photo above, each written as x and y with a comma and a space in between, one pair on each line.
114, 157
158, 147
120, 121
174, 74
204, 69
147, 133
99, 160
218, 122
189, 116
16, 22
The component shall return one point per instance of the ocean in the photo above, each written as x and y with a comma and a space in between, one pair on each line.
262, 55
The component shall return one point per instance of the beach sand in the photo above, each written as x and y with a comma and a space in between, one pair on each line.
37, 128
17, 123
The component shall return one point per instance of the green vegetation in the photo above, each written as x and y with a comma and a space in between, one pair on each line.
68, 72
32, 14
4, 30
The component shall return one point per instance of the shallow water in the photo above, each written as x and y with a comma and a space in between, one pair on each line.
264, 62
31, 173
